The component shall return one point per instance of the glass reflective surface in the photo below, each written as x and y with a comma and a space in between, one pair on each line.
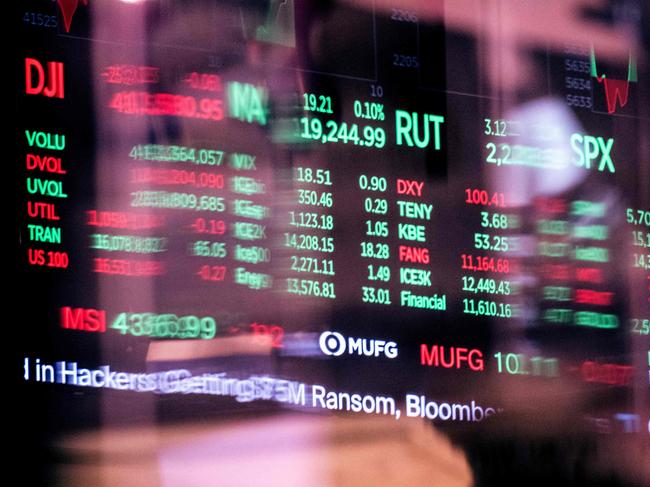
330, 243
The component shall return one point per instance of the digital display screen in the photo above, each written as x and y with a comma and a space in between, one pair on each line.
289, 242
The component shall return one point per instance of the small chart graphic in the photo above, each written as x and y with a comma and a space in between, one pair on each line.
68, 9
617, 91
271, 22
279, 26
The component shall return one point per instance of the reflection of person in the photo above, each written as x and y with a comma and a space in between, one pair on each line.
410, 466
547, 431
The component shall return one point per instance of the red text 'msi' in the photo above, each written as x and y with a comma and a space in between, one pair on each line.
84, 319
455, 357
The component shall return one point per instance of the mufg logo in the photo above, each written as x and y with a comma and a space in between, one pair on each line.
334, 344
